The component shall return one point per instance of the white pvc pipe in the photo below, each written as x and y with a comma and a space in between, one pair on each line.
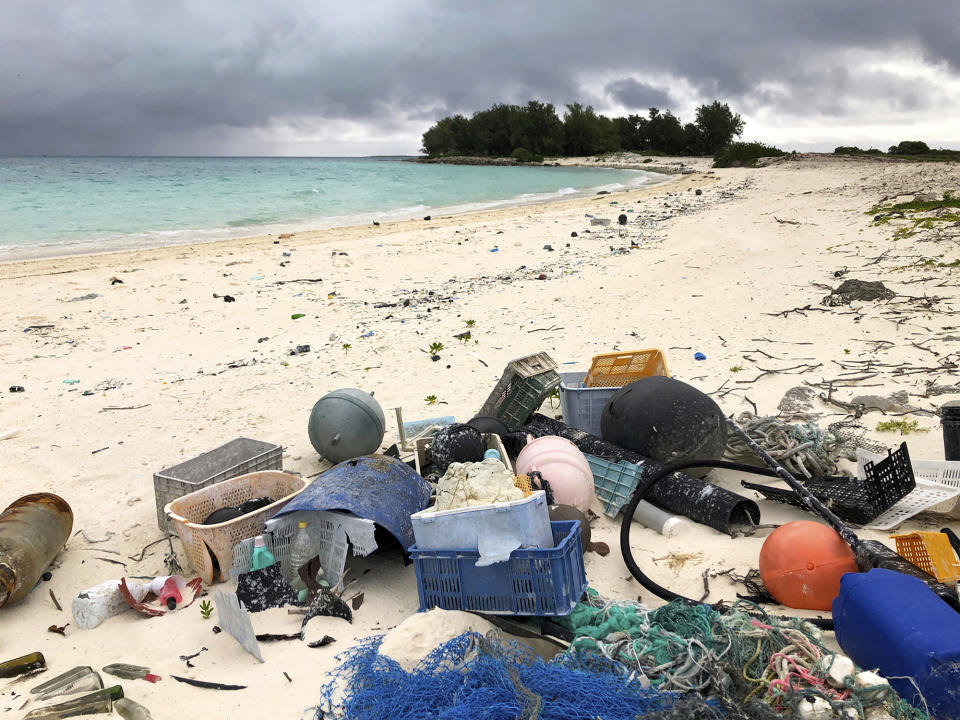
656, 519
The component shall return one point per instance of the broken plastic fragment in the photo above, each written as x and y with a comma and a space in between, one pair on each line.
22, 665
130, 710
236, 621
127, 672
80, 679
100, 701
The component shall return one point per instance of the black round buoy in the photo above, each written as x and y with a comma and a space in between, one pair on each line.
622, 219
456, 443
222, 515
488, 424
569, 512
665, 420
514, 442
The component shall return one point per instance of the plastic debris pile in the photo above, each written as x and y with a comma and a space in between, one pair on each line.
739, 657
472, 676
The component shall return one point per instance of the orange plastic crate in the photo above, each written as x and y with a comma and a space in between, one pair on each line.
619, 369
931, 552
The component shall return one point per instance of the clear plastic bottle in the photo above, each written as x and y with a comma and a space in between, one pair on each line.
301, 550
261, 557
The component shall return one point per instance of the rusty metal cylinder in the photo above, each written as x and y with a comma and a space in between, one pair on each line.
33, 529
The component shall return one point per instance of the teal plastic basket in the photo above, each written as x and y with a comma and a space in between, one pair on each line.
614, 483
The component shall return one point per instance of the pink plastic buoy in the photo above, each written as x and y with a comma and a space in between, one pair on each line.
562, 465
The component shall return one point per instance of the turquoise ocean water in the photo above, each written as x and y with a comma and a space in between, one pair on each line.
52, 206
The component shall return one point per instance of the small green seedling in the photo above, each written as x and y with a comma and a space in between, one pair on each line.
435, 347
206, 609
846, 351
905, 427
736, 369
430, 399
346, 346
470, 323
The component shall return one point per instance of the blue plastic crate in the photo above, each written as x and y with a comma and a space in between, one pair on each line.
614, 483
534, 581
581, 406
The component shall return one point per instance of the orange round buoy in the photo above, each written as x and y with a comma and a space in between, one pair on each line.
801, 564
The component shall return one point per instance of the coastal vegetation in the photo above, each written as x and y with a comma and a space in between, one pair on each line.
907, 150
742, 154
530, 132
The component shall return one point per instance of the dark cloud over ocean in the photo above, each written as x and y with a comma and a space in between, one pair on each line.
302, 77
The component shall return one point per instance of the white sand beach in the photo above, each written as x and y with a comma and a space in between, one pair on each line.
174, 371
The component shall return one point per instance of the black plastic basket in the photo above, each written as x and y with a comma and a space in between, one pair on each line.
856, 501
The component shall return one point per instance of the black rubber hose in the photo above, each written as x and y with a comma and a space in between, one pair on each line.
631, 507
954, 540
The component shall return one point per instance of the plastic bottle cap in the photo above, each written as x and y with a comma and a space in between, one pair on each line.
171, 603
302, 524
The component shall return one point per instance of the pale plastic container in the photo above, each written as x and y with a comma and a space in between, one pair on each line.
496, 530
563, 466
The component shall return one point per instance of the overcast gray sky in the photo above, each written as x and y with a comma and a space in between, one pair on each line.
308, 77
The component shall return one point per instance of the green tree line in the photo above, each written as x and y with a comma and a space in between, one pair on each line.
534, 130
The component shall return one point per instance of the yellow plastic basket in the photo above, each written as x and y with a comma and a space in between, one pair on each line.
619, 369
931, 552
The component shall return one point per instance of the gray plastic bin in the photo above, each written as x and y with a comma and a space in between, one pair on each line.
237, 457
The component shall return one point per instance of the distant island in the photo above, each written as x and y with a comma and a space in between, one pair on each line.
529, 133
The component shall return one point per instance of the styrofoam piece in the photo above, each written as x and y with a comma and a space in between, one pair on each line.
331, 532
494, 530
235, 621
931, 495
492, 441
96, 604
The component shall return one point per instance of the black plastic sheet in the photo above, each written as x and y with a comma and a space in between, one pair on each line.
681, 494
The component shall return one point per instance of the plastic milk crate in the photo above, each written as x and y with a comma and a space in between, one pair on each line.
237, 457
583, 406
533, 581
525, 384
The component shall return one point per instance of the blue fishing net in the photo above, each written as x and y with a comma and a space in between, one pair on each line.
472, 677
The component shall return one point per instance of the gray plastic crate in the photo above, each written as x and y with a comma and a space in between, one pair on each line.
237, 457
582, 407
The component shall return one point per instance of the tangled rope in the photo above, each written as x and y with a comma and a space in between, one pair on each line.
741, 656
802, 448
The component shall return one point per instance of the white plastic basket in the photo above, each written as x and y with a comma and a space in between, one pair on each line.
331, 533
944, 472
495, 530
937, 490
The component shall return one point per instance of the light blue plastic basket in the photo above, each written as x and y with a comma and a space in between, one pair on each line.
581, 406
614, 483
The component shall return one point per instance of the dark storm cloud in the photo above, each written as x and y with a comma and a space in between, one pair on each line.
635, 95
119, 76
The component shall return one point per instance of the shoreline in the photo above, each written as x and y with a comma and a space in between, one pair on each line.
149, 240
326, 234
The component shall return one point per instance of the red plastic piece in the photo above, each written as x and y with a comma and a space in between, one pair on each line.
801, 564
150, 677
